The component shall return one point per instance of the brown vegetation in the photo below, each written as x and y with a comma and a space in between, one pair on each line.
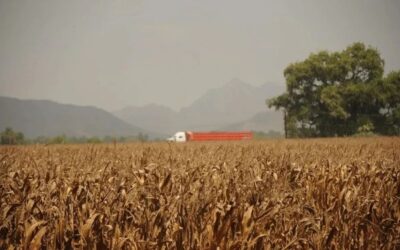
293, 194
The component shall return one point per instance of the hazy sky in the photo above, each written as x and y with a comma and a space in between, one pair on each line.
114, 53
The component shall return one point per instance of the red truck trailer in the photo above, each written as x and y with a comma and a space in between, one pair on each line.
211, 136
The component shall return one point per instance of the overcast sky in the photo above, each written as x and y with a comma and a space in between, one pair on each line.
114, 53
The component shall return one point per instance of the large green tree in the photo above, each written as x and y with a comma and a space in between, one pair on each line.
389, 97
340, 93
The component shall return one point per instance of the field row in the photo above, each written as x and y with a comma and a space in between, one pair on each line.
278, 194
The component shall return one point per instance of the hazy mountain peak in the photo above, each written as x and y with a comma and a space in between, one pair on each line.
157, 107
151, 108
236, 101
153, 105
236, 82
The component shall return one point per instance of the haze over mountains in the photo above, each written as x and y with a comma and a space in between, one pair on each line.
47, 118
234, 106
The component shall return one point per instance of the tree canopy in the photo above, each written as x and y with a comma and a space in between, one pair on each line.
340, 93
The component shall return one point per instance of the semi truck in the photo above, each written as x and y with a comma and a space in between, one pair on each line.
185, 136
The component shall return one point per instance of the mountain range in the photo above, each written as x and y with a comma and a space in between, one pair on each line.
47, 118
234, 106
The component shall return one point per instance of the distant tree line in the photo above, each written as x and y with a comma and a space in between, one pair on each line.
271, 134
11, 137
340, 94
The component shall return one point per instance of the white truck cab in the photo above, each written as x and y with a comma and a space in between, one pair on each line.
178, 137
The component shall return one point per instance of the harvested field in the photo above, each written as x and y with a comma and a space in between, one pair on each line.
279, 194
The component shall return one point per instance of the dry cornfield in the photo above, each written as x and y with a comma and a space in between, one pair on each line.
279, 194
